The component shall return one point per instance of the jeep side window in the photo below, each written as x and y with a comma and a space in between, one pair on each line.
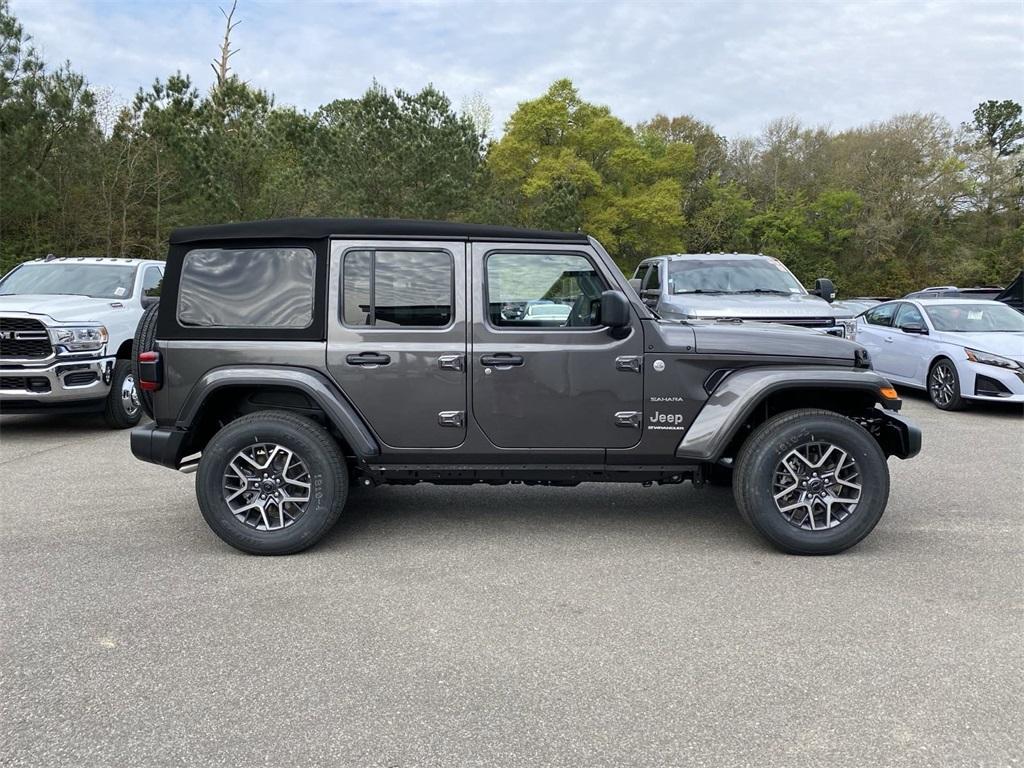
391, 289
881, 315
247, 288
543, 290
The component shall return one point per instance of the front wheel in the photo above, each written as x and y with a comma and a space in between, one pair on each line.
271, 483
811, 482
944, 386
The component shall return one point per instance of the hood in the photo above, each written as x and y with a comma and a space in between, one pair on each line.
753, 340
749, 305
843, 310
62, 309
1008, 344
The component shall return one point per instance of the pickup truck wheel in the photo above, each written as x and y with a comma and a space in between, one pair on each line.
812, 482
271, 483
122, 409
145, 336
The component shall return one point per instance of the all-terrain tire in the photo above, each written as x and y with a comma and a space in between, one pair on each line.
772, 442
122, 408
145, 336
314, 447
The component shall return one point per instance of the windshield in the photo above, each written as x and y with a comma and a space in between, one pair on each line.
975, 318
731, 276
100, 281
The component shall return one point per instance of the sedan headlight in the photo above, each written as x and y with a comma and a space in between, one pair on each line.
849, 328
977, 356
80, 339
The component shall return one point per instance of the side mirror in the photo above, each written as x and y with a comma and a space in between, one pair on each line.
614, 309
914, 328
824, 288
635, 283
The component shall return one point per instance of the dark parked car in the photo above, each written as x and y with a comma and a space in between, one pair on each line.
293, 359
1013, 294
983, 292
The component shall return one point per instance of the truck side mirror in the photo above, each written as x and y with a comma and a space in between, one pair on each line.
824, 288
614, 309
634, 283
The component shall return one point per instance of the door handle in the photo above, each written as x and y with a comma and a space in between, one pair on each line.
450, 362
888, 339
368, 358
501, 360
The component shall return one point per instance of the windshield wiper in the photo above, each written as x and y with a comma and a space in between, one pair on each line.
765, 290
699, 290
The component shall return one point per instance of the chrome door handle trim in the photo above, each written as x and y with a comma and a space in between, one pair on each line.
451, 362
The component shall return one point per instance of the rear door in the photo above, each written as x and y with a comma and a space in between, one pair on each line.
396, 342
559, 379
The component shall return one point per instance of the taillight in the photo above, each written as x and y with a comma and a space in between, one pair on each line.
151, 375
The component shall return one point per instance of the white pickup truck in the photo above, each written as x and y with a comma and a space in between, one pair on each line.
66, 330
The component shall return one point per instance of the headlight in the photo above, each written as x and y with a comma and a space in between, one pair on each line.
849, 328
976, 356
81, 338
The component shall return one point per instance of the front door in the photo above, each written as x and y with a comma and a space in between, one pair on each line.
545, 372
396, 340
908, 352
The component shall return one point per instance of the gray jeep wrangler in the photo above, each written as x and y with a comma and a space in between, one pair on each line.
292, 360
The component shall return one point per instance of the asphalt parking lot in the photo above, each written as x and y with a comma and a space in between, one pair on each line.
601, 625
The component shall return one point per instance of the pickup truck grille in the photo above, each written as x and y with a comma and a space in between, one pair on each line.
25, 383
803, 322
23, 339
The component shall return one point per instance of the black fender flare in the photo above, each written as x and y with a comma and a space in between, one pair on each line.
732, 402
317, 387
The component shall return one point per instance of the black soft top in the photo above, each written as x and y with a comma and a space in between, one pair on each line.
318, 229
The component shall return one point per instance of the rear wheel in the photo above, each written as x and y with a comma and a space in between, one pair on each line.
122, 409
811, 482
145, 336
271, 483
944, 386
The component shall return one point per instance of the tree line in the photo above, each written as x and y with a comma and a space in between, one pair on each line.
882, 208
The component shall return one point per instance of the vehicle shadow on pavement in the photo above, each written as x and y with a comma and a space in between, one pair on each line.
49, 424
590, 510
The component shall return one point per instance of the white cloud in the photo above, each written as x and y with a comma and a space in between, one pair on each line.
736, 65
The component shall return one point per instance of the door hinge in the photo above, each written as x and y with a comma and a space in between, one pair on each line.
451, 418
451, 362
629, 363
630, 419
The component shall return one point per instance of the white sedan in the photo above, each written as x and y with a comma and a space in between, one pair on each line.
956, 349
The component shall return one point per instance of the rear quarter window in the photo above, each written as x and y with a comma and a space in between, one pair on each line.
247, 288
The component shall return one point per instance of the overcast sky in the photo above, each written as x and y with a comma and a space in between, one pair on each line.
734, 64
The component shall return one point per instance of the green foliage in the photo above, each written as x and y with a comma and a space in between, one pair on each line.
571, 165
882, 209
